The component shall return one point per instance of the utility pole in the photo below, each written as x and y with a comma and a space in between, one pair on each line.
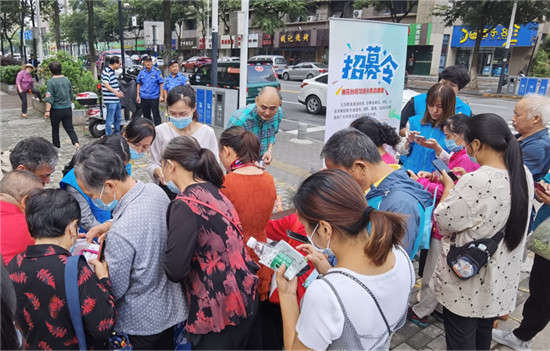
121, 32
155, 39
40, 54
214, 43
507, 50
243, 30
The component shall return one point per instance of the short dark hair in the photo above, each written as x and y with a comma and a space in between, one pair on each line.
20, 183
55, 68
349, 145
114, 59
33, 153
49, 212
139, 129
379, 133
457, 124
96, 164
185, 93
246, 144
457, 74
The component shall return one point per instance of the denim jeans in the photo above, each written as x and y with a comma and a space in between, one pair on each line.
114, 116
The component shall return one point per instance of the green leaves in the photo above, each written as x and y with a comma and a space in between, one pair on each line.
269, 13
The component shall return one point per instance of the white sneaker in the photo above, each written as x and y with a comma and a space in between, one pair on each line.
506, 337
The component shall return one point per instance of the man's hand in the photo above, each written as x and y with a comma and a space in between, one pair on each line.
267, 157
138, 99
161, 99
119, 94
98, 231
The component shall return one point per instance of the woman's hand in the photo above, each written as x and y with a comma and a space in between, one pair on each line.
286, 287
446, 180
542, 196
319, 260
101, 269
98, 231
428, 175
411, 137
459, 171
430, 144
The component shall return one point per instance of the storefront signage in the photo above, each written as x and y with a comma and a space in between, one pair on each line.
366, 72
234, 41
524, 35
187, 43
294, 39
419, 34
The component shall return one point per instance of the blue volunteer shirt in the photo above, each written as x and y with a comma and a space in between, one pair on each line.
150, 83
108, 76
170, 81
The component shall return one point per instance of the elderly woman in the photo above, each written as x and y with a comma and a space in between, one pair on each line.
148, 304
38, 275
24, 83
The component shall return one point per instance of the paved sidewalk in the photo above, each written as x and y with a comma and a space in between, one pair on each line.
293, 161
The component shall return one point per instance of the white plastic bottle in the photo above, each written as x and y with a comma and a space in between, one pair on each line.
275, 256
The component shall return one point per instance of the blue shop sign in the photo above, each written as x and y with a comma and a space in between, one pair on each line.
524, 35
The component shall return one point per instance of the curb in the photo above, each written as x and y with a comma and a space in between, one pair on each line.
504, 96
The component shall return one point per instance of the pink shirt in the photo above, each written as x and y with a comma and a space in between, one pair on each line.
24, 79
388, 159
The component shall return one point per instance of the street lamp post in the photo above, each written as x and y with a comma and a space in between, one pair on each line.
243, 73
507, 50
121, 31
215, 43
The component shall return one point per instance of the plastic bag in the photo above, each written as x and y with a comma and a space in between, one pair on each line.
539, 241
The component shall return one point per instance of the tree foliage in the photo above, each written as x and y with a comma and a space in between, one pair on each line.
484, 15
391, 5
269, 13
541, 61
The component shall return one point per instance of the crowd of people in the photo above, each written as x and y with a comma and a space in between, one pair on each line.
174, 272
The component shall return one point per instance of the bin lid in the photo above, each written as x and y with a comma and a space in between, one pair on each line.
86, 95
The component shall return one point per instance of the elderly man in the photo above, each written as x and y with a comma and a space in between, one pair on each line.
15, 189
37, 155
149, 90
388, 187
531, 115
261, 118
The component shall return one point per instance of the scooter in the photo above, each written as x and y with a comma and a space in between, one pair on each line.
95, 112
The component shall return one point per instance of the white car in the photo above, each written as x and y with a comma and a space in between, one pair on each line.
313, 94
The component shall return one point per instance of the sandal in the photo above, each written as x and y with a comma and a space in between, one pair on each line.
23, 115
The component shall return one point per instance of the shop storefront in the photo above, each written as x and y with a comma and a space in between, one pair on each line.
419, 49
491, 51
302, 45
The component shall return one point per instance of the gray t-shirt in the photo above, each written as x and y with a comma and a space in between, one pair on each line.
59, 92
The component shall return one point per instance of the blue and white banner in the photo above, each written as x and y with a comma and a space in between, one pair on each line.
366, 72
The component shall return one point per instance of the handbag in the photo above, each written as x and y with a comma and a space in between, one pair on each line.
117, 341
539, 241
466, 261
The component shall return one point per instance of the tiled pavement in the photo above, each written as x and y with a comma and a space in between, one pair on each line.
293, 161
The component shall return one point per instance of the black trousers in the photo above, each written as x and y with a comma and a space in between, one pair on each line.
267, 331
64, 116
151, 105
160, 341
23, 97
536, 310
464, 333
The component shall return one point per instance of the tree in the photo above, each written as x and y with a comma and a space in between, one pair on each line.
74, 27
9, 22
145, 11
91, 36
484, 15
57, 24
167, 33
541, 61
269, 13
391, 5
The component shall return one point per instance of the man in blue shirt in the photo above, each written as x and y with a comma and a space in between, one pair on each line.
149, 87
173, 79
531, 115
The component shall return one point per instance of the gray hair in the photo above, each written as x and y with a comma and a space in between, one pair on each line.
33, 153
95, 164
20, 183
538, 105
349, 145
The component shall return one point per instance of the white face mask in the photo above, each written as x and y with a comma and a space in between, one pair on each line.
327, 250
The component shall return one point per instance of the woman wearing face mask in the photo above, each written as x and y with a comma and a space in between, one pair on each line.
182, 109
25, 83
497, 196
38, 275
422, 129
239, 150
139, 134
454, 130
149, 305
206, 251
91, 214
364, 298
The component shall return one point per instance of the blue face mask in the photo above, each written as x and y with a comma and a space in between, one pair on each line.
181, 122
134, 155
327, 250
172, 187
451, 145
105, 207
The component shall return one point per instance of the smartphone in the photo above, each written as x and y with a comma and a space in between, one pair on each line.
441, 166
420, 137
101, 256
541, 188
297, 236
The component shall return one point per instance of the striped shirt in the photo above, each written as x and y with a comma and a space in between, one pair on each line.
108, 76
248, 118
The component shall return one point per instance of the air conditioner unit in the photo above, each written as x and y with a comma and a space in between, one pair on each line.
311, 18
317, 17
357, 13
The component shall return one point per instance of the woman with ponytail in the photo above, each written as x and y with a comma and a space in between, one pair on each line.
362, 300
381, 134
496, 196
205, 251
252, 191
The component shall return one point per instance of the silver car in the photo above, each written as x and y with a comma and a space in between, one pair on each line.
304, 70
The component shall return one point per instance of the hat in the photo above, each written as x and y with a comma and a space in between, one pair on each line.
29, 65
172, 62
146, 58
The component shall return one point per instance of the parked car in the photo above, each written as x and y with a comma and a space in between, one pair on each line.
103, 58
195, 62
228, 58
278, 62
304, 70
259, 75
313, 94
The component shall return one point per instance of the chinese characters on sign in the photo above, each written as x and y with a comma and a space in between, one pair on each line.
289, 39
369, 67
523, 35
